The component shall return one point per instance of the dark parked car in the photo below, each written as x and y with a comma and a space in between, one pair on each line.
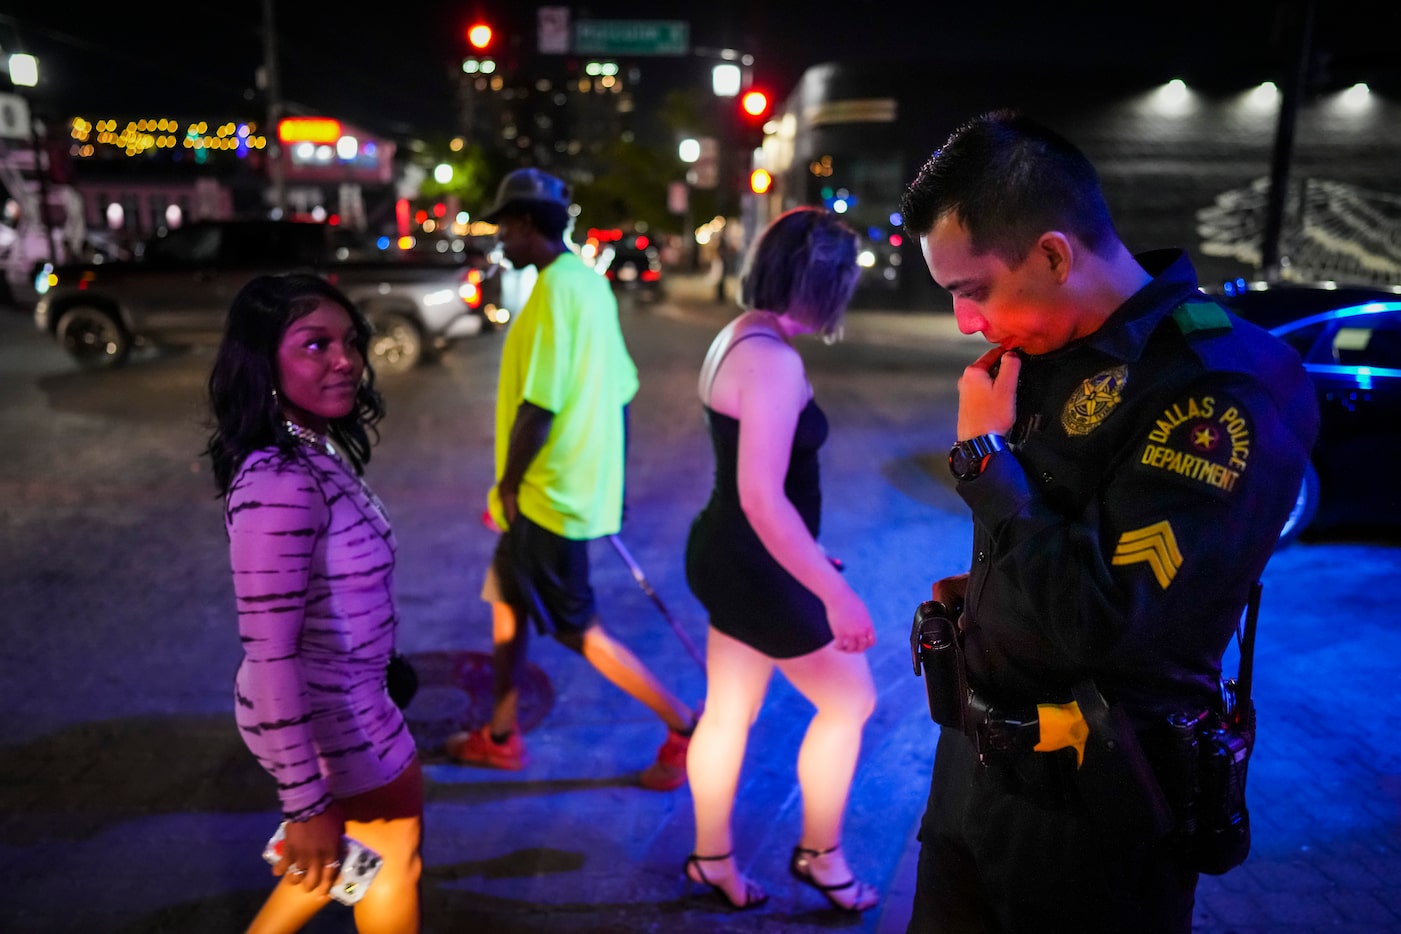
1350, 340
633, 263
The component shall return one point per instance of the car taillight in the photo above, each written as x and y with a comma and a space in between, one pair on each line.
650, 275
471, 288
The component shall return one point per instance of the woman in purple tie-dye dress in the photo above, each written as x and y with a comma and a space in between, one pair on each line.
312, 554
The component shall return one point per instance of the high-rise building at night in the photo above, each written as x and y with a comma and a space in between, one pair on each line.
526, 96
559, 113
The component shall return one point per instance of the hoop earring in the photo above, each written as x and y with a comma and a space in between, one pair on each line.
276, 402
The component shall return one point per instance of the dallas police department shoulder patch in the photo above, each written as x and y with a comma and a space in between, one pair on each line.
1202, 440
1093, 400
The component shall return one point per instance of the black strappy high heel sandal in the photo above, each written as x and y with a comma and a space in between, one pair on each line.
753, 895
863, 895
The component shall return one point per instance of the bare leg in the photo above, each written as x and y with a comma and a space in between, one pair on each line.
625, 670
839, 685
737, 679
288, 909
509, 637
391, 904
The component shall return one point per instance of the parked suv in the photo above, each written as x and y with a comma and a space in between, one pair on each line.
180, 287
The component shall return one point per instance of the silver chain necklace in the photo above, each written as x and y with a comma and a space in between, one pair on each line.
318, 442
308, 437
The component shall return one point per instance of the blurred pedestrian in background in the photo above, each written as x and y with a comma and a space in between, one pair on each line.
294, 407
724, 262
775, 599
1130, 452
561, 424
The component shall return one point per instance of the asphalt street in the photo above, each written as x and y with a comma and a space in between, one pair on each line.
129, 804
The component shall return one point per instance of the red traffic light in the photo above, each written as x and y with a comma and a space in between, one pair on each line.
755, 103
479, 36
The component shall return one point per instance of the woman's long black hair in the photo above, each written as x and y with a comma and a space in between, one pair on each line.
243, 403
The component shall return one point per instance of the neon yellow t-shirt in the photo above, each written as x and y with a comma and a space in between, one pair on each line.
565, 353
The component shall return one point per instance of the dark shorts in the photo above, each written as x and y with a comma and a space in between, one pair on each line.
542, 576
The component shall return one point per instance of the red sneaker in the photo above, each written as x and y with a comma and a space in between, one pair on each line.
668, 773
478, 748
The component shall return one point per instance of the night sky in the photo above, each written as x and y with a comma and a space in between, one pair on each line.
393, 73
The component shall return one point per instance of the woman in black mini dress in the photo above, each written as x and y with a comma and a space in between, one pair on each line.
774, 598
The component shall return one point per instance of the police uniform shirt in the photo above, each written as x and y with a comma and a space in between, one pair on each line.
1154, 463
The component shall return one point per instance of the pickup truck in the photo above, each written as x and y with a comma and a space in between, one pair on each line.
179, 290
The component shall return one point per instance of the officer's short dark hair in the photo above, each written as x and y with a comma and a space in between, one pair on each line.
1009, 179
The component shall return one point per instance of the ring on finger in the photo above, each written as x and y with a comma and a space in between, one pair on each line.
332, 865
296, 870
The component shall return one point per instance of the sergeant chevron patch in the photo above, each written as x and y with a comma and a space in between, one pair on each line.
1154, 545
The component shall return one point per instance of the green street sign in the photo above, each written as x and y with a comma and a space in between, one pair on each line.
631, 37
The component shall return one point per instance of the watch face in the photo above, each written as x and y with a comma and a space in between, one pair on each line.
963, 463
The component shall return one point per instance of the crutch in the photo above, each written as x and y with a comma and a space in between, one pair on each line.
641, 579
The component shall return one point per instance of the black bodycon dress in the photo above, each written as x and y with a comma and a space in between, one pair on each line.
748, 594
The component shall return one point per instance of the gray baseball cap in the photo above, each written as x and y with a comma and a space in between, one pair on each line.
527, 185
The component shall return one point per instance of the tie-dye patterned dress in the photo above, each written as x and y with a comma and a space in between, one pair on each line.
313, 568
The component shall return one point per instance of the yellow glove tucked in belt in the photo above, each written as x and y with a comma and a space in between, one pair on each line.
1062, 725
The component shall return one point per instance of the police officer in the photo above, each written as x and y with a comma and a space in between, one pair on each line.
1129, 451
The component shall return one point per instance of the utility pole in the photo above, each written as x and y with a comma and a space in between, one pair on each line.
272, 87
1294, 88
38, 140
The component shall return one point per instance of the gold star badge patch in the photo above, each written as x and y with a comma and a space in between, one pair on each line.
1092, 402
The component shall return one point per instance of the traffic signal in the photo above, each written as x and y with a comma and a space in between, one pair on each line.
479, 36
755, 105
760, 181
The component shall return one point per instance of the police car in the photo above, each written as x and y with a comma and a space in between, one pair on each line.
1350, 340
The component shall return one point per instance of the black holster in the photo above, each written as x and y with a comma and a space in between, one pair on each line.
1120, 790
936, 645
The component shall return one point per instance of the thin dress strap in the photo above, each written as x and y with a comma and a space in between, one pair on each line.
711, 367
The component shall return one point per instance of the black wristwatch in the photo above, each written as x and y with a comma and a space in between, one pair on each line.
966, 457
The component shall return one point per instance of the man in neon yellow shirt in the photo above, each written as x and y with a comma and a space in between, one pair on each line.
565, 382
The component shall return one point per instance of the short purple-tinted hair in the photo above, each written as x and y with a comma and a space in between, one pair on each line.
803, 265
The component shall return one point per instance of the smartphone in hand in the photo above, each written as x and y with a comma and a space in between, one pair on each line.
359, 865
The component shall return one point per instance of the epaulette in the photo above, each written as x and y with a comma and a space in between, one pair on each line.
1192, 317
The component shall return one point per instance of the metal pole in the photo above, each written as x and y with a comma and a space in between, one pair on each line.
41, 172
1284, 146
688, 232
274, 101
